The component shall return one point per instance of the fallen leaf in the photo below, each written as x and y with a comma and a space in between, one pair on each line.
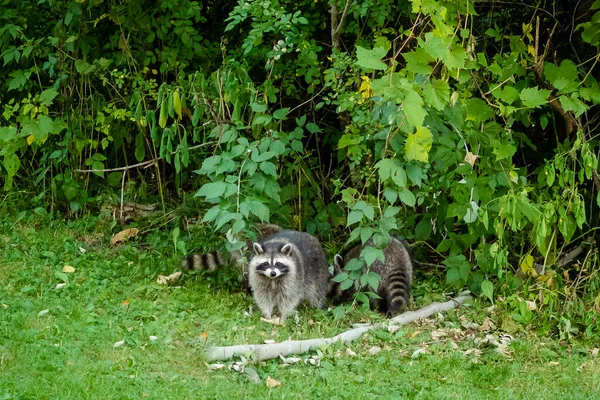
274, 321
394, 328
5, 305
555, 363
60, 285
124, 235
531, 305
374, 350
152, 338
350, 352
144, 394
165, 280
438, 334
82, 250
125, 303
417, 353
289, 360
252, 375
43, 312
68, 269
204, 335
272, 382
311, 322
466, 323
595, 351
488, 325
118, 344
270, 341
414, 334
216, 367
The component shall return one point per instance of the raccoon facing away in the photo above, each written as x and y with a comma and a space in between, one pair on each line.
287, 268
396, 276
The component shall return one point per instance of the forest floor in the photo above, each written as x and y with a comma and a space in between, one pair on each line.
81, 318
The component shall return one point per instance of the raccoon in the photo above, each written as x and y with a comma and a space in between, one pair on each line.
214, 260
287, 268
396, 276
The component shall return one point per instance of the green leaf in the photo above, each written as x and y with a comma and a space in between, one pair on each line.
140, 147
487, 288
418, 145
435, 46
455, 59
407, 197
260, 210
417, 61
281, 113
413, 108
436, 93
83, 67
212, 190
534, 97
503, 150
423, 229
371, 254
563, 78
342, 276
258, 107
347, 284
354, 217
212, 214
370, 59
47, 96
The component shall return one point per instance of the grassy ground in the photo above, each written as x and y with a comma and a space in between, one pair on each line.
60, 342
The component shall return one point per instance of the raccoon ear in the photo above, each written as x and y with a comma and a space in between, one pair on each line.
338, 261
258, 248
286, 250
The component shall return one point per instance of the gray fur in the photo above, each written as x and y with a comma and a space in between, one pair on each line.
288, 267
396, 276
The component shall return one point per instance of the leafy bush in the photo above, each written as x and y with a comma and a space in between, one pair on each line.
469, 129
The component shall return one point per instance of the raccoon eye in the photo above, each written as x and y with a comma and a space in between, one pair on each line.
264, 265
279, 265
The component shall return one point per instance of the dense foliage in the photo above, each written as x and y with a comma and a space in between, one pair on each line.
469, 128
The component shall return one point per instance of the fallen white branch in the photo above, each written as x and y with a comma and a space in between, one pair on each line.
269, 351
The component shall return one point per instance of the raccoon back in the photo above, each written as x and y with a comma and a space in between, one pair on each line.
395, 272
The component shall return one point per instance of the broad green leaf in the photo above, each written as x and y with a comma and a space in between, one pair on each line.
260, 210
417, 61
418, 145
212, 214
281, 113
487, 288
371, 254
212, 190
434, 46
563, 78
436, 93
572, 103
423, 229
342, 276
478, 110
140, 147
413, 108
370, 59
258, 107
354, 217
503, 150
407, 197
385, 167
534, 97
455, 59
47, 96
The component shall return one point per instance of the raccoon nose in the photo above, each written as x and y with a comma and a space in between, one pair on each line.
273, 274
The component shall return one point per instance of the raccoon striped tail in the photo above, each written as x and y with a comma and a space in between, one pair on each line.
202, 262
397, 292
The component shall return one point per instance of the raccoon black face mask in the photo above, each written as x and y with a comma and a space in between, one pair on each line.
287, 268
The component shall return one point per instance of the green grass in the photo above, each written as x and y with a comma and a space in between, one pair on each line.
68, 351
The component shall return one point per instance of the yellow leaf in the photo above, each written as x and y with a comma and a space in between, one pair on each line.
204, 335
68, 269
471, 158
177, 104
155, 72
165, 280
527, 266
125, 303
30, 139
531, 50
272, 382
124, 235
